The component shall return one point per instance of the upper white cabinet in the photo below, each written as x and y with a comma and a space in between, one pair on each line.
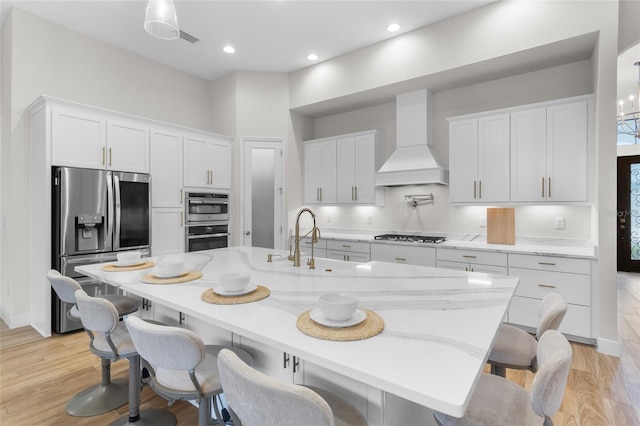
166, 168
207, 162
320, 172
549, 153
341, 169
359, 156
87, 140
479, 159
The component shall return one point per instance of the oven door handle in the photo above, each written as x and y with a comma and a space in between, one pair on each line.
196, 237
192, 201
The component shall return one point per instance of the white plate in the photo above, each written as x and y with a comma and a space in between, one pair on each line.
159, 274
317, 315
219, 290
129, 263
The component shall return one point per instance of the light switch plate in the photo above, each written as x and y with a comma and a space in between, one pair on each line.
559, 222
483, 221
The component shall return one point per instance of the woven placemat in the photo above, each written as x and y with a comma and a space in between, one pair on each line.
259, 293
371, 326
111, 267
190, 276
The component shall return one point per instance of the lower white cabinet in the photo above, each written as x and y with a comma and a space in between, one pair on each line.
409, 255
473, 261
273, 362
319, 248
350, 251
540, 275
167, 231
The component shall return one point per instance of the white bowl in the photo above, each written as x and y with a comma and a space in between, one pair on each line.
170, 266
128, 256
235, 281
338, 306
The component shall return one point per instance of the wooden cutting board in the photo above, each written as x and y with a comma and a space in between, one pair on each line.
501, 226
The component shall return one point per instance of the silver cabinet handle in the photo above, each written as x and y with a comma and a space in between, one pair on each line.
356, 199
542, 187
401, 259
549, 185
468, 256
320, 194
479, 189
346, 246
546, 285
474, 190
547, 263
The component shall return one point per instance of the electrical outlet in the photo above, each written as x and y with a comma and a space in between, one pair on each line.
369, 220
483, 221
329, 218
559, 222
352, 218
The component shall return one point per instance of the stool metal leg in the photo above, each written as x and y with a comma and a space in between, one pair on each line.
153, 417
100, 398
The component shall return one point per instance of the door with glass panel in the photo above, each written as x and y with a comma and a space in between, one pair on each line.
263, 193
629, 213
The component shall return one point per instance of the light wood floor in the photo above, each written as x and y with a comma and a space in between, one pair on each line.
38, 376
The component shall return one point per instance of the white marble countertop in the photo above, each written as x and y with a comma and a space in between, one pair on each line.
439, 324
525, 245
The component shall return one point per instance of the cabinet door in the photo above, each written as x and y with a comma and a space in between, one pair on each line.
488, 269
166, 169
167, 231
365, 168
463, 160
78, 140
273, 362
312, 168
328, 187
493, 159
128, 147
456, 266
528, 155
346, 162
221, 164
169, 316
196, 162
567, 152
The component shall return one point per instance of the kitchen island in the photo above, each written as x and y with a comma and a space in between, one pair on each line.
439, 325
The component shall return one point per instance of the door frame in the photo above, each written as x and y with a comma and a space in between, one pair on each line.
279, 243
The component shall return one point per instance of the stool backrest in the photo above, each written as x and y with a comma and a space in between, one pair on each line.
554, 360
65, 287
97, 314
163, 346
258, 399
550, 313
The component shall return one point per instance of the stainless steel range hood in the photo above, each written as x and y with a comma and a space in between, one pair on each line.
412, 162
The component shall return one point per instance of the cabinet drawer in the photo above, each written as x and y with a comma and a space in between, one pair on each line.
305, 243
550, 263
410, 255
349, 246
577, 321
348, 256
473, 267
473, 256
535, 284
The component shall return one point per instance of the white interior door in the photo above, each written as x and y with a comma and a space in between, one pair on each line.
263, 193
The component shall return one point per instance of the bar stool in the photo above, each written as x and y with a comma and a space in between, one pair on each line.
108, 394
110, 340
180, 365
257, 399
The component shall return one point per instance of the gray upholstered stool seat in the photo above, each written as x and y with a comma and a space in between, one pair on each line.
108, 394
515, 348
257, 399
498, 402
180, 365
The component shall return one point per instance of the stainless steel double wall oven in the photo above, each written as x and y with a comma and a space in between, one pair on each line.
206, 220
96, 214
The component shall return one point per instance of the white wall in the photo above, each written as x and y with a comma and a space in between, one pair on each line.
48, 59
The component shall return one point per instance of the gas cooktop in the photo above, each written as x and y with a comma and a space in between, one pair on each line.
410, 238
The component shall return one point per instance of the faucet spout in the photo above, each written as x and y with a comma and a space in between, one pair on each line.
315, 236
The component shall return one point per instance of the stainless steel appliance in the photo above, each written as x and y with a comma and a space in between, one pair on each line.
96, 214
206, 207
410, 238
207, 237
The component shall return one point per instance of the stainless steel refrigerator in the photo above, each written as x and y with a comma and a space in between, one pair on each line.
96, 214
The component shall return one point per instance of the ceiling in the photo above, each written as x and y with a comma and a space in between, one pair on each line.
268, 35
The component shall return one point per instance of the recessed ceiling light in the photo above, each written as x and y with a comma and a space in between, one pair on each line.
229, 49
312, 57
392, 28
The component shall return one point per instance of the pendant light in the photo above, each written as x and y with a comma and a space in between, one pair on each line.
161, 20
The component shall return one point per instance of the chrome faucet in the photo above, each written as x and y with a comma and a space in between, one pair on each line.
315, 236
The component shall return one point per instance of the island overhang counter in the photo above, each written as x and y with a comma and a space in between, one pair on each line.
439, 325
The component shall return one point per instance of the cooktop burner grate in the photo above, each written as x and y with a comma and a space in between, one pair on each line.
410, 238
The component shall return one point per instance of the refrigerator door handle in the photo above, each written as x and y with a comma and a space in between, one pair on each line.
116, 235
108, 243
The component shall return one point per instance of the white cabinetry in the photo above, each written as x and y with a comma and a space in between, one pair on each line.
359, 156
540, 275
479, 159
207, 162
320, 172
341, 169
473, 260
549, 153
410, 255
350, 251
91, 140
319, 248
167, 231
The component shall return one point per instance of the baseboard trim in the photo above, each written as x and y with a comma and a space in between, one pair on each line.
609, 347
16, 321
